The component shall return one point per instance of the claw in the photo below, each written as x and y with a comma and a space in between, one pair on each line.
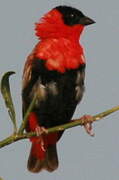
89, 129
41, 130
88, 120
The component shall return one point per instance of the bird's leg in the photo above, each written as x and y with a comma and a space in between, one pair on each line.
87, 123
40, 131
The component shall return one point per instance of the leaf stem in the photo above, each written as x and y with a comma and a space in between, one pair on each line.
23, 125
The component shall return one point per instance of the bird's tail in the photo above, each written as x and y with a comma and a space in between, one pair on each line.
41, 158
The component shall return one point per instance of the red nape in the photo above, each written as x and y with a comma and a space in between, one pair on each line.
53, 26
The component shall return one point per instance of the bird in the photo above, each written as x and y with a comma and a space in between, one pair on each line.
55, 71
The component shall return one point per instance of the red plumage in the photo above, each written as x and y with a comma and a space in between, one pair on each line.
40, 145
60, 54
52, 26
60, 43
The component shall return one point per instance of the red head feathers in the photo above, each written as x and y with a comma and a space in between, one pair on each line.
52, 26
59, 31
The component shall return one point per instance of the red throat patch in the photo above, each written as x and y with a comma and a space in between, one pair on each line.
60, 54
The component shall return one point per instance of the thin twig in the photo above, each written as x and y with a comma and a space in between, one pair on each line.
76, 122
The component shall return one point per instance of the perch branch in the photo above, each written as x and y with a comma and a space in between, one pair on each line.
76, 122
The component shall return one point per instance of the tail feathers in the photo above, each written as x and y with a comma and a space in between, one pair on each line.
49, 162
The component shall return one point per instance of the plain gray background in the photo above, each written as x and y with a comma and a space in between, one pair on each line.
81, 157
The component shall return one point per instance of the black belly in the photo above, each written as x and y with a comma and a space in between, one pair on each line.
59, 103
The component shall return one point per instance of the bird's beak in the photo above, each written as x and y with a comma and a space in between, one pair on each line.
86, 21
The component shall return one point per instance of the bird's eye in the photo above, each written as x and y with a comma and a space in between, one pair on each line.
72, 15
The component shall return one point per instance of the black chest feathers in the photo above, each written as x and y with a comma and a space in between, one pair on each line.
58, 93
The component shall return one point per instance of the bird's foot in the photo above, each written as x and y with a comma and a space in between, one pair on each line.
88, 120
40, 130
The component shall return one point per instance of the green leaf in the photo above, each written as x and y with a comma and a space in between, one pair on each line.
5, 90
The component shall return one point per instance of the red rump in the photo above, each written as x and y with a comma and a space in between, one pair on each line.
37, 150
40, 144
